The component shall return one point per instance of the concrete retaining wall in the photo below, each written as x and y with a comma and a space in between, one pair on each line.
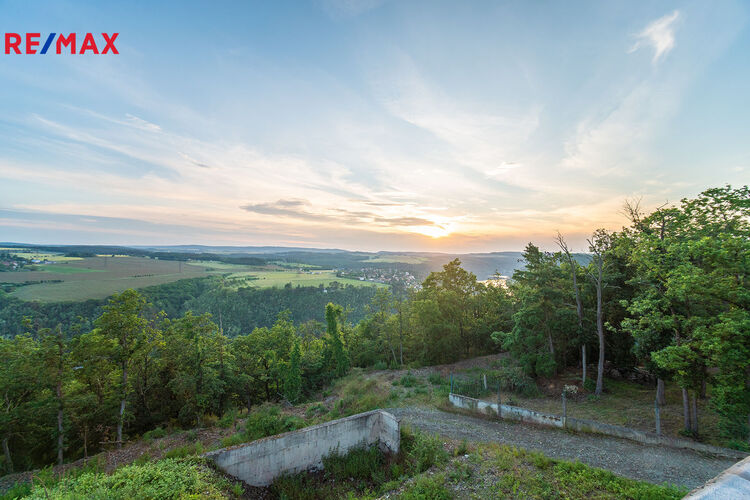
535, 417
260, 462
730, 484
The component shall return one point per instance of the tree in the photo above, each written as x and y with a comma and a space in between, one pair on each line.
54, 351
293, 383
579, 305
338, 360
543, 324
123, 322
599, 244
19, 381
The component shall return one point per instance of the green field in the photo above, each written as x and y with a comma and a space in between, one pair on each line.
65, 269
77, 279
31, 254
100, 277
403, 259
278, 279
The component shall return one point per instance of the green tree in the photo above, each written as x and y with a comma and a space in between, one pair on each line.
123, 322
293, 383
338, 359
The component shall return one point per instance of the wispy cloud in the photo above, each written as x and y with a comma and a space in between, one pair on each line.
659, 35
303, 210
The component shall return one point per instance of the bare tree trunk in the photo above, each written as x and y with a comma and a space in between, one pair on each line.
694, 413
579, 305
121, 417
599, 333
85, 443
685, 409
6, 451
583, 363
660, 397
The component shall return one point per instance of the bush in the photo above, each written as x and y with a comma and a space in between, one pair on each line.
166, 479
428, 488
380, 365
154, 434
408, 380
423, 451
185, 451
437, 379
360, 464
233, 440
267, 421
228, 419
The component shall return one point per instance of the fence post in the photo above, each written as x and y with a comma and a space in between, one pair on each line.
565, 411
485, 381
499, 403
451, 382
658, 417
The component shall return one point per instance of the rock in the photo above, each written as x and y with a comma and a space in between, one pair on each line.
615, 374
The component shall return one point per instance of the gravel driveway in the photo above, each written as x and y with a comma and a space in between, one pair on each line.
645, 462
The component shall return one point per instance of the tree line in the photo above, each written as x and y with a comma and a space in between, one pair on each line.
668, 293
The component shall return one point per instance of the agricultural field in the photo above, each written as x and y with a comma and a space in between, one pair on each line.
99, 277
279, 279
73, 279
393, 259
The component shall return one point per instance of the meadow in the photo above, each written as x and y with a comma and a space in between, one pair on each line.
74, 279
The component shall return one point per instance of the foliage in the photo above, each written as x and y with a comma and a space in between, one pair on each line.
165, 479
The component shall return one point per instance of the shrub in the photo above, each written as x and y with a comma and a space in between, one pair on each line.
166, 479
228, 419
360, 464
424, 451
408, 380
315, 410
154, 434
191, 435
380, 365
267, 421
437, 379
185, 451
428, 488
233, 440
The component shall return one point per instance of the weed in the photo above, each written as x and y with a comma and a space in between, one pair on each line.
428, 488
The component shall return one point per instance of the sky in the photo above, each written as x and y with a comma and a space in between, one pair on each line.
367, 124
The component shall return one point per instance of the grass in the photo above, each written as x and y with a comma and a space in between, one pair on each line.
424, 470
65, 269
627, 404
279, 279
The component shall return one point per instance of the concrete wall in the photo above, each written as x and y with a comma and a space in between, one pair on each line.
535, 417
260, 462
730, 484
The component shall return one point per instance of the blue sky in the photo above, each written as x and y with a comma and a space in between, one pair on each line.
367, 124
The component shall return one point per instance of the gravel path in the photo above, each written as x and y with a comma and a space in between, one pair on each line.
626, 458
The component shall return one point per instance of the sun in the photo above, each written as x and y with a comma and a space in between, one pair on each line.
432, 231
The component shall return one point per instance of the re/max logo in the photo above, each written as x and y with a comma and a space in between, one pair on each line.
14, 43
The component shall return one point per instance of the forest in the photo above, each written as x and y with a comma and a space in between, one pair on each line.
668, 293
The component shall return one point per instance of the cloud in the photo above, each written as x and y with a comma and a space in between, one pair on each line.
303, 210
659, 35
